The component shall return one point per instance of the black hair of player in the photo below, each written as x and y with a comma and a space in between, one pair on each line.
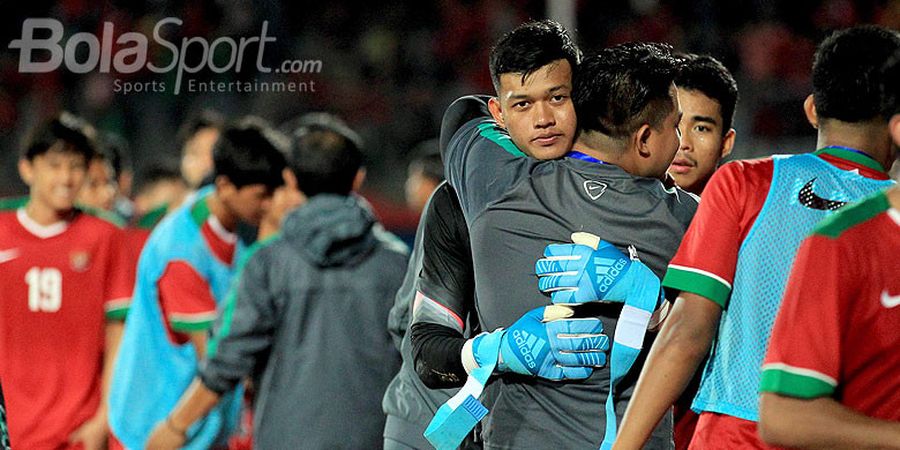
890, 86
426, 158
250, 152
531, 46
205, 118
707, 75
847, 72
291, 126
114, 149
154, 174
74, 133
621, 88
325, 157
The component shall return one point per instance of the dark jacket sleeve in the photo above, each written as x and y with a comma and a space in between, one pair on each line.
458, 113
437, 354
447, 285
244, 329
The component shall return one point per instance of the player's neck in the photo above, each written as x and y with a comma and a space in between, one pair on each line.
44, 215
893, 195
869, 137
222, 214
605, 149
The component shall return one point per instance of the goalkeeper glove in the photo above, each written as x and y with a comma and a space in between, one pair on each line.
548, 342
589, 270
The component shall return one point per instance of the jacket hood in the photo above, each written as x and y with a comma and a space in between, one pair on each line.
331, 230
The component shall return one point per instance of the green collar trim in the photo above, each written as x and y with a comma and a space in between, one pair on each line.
200, 211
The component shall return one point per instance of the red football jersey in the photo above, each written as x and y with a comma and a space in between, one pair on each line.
838, 331
59, 284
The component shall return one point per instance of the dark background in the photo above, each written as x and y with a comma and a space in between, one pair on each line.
390, 68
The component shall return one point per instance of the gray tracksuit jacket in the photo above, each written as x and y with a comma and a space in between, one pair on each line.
308, 323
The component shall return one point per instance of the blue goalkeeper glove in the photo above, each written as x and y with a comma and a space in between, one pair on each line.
589, 270
547, 342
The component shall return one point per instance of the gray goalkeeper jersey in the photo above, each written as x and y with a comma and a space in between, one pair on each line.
514, 207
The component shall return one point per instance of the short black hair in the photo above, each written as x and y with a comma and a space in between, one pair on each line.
76, 135
706, 74
531, 46
890, 86
426, 157
205, 118
846, 73
114, 149
311, 118
325, 157
625, 86
156, 173
250, 152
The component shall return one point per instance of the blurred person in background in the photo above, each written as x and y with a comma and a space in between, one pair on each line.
186, 268
65, 287
424, 173
198, 136
306, 320
100, 188
4, 428
159, 190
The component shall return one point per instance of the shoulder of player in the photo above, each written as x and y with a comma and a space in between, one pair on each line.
852, 216
12, 203
390, 242
746, 168
101, 216
260, 249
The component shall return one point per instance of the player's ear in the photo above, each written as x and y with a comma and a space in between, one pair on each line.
809, 107
894, 128
496, 111
641, 139
727, 143
224, 186
359, 179
289, 179
25, 171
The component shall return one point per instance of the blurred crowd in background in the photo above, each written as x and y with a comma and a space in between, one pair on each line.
391, 68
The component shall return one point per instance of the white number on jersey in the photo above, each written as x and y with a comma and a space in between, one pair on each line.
44, 289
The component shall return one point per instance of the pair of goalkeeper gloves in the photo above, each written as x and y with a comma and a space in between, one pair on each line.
553, 342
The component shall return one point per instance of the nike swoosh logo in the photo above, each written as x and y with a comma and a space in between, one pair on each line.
594, 189
8, 255
809, 199
889, 301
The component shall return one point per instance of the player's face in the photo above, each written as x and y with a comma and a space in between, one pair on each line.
418, 190
100, 189
703, 143
54, 179
250, 203
538, 112
665, 140
197, 161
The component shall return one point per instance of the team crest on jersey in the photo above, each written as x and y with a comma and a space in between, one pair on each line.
80, 260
